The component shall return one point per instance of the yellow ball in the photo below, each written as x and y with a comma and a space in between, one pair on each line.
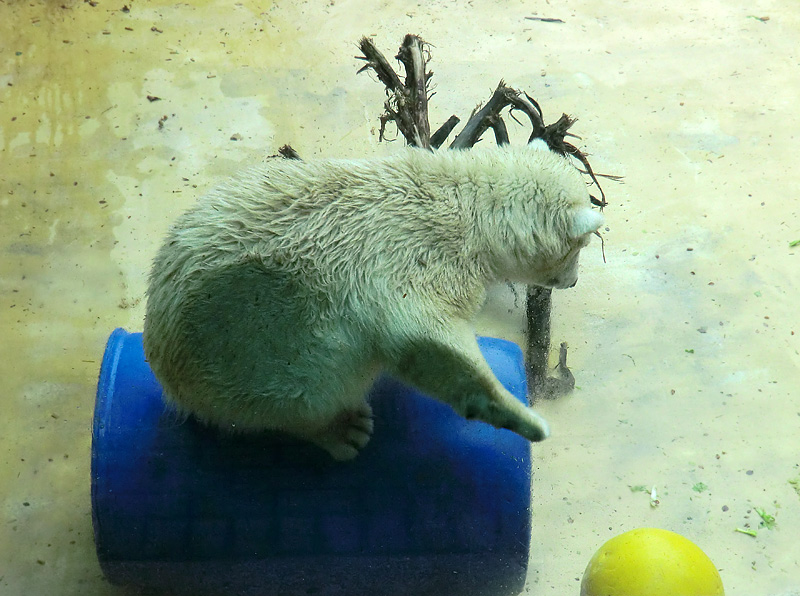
650, 562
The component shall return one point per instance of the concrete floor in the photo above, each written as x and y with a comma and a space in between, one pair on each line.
685, 344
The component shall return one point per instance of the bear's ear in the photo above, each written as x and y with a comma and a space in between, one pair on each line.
585, 221
538, 144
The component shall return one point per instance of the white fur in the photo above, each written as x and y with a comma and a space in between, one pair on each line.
278, 299
586, 222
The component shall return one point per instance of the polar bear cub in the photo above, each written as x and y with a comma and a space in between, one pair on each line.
279, 298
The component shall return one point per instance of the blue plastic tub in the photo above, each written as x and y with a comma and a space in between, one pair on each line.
434, 505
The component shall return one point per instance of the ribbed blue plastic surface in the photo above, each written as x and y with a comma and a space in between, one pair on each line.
434, 505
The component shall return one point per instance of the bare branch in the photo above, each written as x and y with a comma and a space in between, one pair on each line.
500, 130
538, 302
531, 109
443, 131
483, 118
377, 62
479, 120
416, 87
407, 106
407, 103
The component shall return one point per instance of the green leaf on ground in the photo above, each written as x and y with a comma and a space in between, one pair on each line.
767, 520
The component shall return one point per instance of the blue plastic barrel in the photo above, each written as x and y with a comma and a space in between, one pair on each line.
434, 505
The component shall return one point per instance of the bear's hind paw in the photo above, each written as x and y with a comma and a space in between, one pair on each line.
349, 432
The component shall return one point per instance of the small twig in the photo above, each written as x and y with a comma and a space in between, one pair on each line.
544, 19
287, 152
602, 243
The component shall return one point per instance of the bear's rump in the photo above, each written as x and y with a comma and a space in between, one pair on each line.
261, 340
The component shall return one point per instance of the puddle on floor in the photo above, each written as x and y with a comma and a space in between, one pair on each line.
685, 343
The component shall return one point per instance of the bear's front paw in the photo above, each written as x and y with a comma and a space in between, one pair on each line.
531, 426
349, 432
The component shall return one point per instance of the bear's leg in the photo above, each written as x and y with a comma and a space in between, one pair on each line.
345, 435
452, 369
